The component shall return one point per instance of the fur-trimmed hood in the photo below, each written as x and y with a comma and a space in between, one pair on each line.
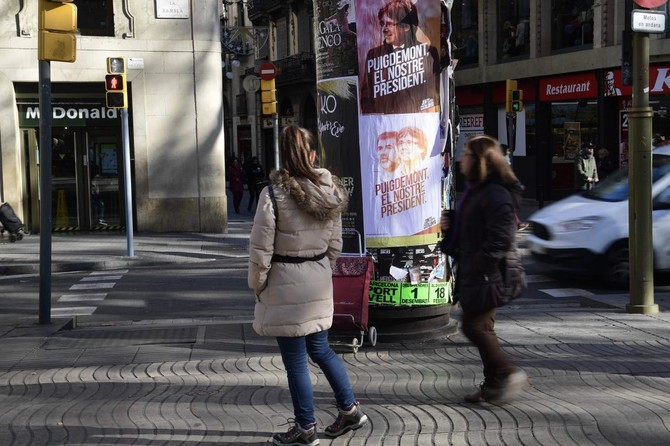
325, 201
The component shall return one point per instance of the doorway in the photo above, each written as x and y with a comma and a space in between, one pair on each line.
86, 180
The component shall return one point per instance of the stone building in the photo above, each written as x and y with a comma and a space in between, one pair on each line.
174, 74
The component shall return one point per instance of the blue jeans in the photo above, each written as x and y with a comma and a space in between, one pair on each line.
294, 353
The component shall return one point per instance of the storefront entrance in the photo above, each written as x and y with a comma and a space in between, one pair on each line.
87, 166
87, 180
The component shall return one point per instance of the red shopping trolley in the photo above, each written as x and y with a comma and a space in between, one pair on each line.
351, 282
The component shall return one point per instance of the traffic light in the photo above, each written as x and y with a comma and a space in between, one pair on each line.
57, 22
115, 83
268, 97
510, 86
517, 100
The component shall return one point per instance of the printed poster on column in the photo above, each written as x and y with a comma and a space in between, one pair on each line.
399, 123
398, 56
335, 39
338, 147
401, 190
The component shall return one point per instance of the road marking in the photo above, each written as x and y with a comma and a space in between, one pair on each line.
538, 278
567, 292
72, 311
93, 286
84, 297
104, 273
99, 278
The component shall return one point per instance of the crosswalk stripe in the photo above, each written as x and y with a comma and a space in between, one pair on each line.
538, 278
104, 273
72, 311
82, 297
566, 292
99, 278
93, 286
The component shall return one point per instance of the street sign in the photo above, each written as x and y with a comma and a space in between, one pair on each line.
646, 21
268, 71
651, 3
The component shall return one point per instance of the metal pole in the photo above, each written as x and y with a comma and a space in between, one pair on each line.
639, 209
511, 135
276, 137
127, 182
45, 192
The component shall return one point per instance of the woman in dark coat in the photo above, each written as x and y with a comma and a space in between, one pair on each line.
236, 178
480, 237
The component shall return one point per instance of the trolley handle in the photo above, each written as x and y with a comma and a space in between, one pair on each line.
352, 231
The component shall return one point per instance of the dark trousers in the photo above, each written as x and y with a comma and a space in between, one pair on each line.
253, 195
479, 329
237, 199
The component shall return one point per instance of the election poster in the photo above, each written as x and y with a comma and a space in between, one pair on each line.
402, 188
399, 57
335, 39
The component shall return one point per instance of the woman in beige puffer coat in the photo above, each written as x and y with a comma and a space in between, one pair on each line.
295, 240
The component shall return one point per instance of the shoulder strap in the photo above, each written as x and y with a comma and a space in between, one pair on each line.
274, 200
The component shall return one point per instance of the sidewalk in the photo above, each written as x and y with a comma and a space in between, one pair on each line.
599, 376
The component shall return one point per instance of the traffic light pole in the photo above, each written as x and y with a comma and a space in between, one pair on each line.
511, 134
128, 183
45, 191
276, 138
640, 208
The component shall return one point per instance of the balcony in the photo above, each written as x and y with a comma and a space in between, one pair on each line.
258, 8
296, 69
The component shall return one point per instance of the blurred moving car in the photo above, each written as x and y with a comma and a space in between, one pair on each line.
588, 231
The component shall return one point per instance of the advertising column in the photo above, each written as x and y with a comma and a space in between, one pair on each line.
381, 131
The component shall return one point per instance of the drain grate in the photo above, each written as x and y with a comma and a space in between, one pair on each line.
115, 337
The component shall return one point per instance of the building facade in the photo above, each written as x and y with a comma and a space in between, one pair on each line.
572, 60
281, 32
173, 54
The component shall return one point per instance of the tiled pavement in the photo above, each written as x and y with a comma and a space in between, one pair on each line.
599, 376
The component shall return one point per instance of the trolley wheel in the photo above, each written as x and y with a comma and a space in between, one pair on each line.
355, 345
12, 238
19, 235
372, 335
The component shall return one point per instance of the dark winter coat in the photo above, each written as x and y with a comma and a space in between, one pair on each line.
482, 241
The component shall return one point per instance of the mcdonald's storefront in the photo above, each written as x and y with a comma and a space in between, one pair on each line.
87, 162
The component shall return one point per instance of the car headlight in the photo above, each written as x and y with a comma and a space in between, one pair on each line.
581, 224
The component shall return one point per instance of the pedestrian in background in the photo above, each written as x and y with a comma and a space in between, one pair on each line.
236, 179
480, 239
255, 174
586, 170
295, 240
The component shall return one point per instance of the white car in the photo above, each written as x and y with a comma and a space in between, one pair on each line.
589, 231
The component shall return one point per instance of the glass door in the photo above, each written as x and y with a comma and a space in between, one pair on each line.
85, 183
65, 162
105, 203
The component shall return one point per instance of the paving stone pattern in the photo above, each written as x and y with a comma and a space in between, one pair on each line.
598, 378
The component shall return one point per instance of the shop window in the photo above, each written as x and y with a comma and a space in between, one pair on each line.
572, 24
465, 32
95, 17
513, 26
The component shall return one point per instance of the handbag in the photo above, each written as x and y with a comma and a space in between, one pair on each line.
482, 293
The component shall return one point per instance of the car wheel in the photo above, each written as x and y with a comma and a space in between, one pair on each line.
617, 270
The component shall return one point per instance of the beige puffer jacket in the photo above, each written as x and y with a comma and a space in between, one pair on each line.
295, 299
